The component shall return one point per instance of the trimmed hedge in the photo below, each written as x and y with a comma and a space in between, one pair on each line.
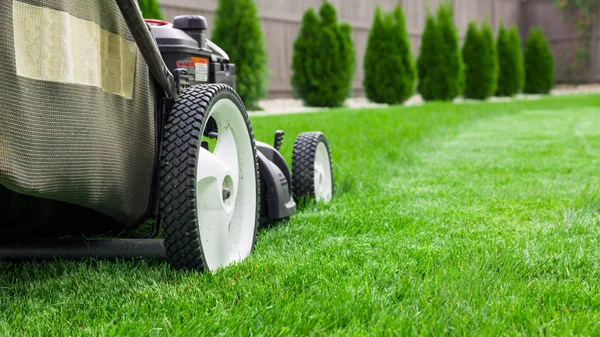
238, 32
481, 66
441, 75
323, 61
389, 68
539, 64
510, 61
150, 9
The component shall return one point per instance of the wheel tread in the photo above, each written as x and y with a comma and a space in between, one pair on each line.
303, 158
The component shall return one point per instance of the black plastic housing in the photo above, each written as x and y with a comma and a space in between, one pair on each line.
193, 25
277, 189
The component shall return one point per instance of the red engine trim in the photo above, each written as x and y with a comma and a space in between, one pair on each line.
157, 22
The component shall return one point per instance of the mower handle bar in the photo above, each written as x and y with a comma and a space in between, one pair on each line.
145, 42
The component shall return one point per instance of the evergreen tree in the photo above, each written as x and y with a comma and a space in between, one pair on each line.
510, 62
305, 79
539, 64
389, 69
480, 58
407, 77
323, 62
427, 53
473, 58
491, 68
441, 75
506, 76
238, 32
347, 56
377, 80
517, 52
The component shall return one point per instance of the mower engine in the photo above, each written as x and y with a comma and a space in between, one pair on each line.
184, 46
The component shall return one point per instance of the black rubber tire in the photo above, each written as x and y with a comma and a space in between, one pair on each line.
303, 164
178, 166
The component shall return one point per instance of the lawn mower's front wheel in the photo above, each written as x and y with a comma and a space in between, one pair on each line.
312, 174
209, 201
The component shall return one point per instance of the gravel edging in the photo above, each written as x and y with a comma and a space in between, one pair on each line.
294, 106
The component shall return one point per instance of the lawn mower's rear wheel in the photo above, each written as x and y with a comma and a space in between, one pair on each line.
209, 201
312, 174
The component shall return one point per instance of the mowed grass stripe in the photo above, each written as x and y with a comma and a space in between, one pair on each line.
473, 219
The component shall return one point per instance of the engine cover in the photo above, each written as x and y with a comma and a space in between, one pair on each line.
183, 44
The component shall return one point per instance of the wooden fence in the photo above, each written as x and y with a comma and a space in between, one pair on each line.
281, 22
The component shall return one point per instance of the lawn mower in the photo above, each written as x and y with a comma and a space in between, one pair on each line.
109, 121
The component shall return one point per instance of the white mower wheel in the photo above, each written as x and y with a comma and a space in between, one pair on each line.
312, 173
209, 202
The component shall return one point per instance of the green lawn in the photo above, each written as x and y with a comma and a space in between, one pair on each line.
472, 219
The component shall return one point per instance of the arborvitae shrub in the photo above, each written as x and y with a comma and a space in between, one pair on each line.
427, 53
479, 55
473, 58
379, 62
304, 77
441, 66
451, 54
516, 46
238, 32
150, 9
510, 62
407, 77
347, 56
491, 62
323, 61
389, 68
539, 64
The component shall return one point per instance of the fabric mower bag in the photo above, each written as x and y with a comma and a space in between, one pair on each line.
77, 108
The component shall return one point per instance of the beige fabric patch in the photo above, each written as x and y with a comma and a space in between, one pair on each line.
55, 46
